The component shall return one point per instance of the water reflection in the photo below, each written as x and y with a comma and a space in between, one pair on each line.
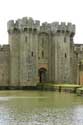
40, 108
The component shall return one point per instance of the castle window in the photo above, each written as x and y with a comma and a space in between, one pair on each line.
71, 39
25, 29
15, 29
65, 55
64, 39
32, 53
35, 29
77, 55
42, 54
25, 38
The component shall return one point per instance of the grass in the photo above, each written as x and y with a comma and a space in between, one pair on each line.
62, 87
81, 89
59, 85
67, 85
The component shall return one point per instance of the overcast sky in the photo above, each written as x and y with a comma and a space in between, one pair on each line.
44, 10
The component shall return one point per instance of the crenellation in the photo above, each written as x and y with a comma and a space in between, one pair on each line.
10, 25
29, 23
78, 48
63, 26
23, 23
71, 28
45, 27
19, 24
37, 24
4, 47
54, 27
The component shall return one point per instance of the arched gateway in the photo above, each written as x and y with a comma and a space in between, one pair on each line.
42, 75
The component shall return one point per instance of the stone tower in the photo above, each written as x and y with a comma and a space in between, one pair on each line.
62, 39
23, 40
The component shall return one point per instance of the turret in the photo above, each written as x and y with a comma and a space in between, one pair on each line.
23, 40
14, 38
62, 39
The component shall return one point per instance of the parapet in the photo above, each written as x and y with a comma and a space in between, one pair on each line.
10, 25
78, 48
45, 27
71, 28
54, 27
63, 28
4, 47
26, 24
23, 24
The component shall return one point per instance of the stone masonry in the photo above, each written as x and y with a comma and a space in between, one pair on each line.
40, 53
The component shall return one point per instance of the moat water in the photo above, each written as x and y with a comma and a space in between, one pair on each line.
40, 108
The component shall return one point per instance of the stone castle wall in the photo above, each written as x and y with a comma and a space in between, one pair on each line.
50, 44
34, 46
78, 58
4, 65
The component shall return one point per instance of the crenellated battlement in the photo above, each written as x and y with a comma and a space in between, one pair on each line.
63, 28
4, 47
78, 48
71, 28
45, 27
25, 24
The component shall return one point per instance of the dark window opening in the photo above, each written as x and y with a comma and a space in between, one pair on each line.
15, 29
31, 53
42, 54
71, 39
77, 55
35, 30
25, 29
65, 55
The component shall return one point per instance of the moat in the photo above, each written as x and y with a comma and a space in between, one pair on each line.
40, 108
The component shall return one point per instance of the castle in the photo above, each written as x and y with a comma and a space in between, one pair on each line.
40, 53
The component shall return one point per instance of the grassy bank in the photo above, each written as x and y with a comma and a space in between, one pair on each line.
58, 87
80, 91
